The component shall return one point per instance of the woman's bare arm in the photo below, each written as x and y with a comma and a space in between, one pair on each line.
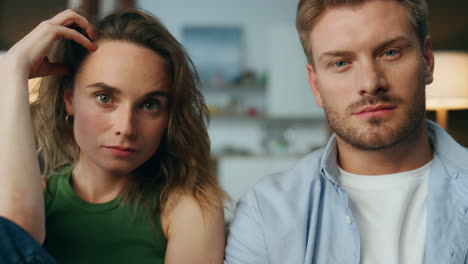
21, 193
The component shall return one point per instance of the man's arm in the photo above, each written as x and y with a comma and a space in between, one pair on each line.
246, 242
17, 246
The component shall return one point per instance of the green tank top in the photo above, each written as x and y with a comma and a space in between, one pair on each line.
82, 232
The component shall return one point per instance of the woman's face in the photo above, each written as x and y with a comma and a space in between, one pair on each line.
119, 105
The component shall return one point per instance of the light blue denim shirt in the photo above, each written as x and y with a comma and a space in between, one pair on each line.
303, 216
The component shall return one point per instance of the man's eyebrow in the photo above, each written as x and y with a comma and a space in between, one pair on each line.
405, 41
114, 90
334, 53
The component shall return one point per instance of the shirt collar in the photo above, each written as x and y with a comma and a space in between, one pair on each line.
444, 146
329, 163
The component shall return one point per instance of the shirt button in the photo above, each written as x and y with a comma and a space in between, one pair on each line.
348, 220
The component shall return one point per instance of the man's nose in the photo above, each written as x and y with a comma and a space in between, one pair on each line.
371, 79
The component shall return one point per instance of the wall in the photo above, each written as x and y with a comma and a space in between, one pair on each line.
254, 16
19, 17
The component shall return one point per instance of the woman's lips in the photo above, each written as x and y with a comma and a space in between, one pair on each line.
121, 151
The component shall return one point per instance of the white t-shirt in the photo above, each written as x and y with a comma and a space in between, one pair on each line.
390, 212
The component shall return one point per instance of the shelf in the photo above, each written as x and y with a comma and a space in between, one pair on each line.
262, 156
264, 117
238, 117
234, 88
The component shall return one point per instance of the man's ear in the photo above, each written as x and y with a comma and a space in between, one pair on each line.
429, 60
68, 100
312, 79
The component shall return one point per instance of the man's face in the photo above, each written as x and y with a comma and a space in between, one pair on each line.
369, 73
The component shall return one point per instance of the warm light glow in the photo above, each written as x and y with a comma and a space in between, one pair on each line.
449, 90
33, 85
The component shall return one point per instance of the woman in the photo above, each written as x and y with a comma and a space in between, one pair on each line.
121, 135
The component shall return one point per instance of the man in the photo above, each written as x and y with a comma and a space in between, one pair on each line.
18, 246
389, 187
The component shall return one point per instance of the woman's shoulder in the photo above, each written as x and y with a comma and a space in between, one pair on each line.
52, 181
183, 205
195, 226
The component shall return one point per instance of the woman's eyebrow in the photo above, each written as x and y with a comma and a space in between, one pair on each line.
105, 87
115, 90
156, 93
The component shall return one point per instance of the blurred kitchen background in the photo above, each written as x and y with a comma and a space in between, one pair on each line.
263, 116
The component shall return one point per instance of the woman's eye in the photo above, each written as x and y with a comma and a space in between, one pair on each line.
151, 105
104, 98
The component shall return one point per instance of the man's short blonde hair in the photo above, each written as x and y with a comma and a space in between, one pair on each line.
308, 12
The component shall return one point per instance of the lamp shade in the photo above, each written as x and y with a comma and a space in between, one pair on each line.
449, 90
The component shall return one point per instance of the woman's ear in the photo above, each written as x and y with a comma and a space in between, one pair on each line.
68, 100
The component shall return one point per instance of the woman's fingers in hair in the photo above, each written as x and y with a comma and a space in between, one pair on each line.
47, 33
59, 27
71, 34
69, 18
30, 52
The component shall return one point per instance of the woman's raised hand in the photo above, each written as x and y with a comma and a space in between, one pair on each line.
31, 52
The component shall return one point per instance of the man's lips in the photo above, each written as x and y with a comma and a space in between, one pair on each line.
373, 109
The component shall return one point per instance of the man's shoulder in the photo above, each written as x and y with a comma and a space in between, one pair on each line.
290, 184
447, 149
452, 156
278, 206
455, 165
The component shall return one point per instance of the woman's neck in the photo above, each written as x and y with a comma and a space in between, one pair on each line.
94, 184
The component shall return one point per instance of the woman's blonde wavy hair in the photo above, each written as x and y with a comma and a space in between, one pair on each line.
181, 165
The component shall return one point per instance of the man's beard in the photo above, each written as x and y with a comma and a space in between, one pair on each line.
380, 134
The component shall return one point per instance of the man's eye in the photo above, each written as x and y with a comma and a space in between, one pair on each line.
391, 52
151, 105
340, 64
103, 98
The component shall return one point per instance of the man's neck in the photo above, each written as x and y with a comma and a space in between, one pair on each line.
412, 153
